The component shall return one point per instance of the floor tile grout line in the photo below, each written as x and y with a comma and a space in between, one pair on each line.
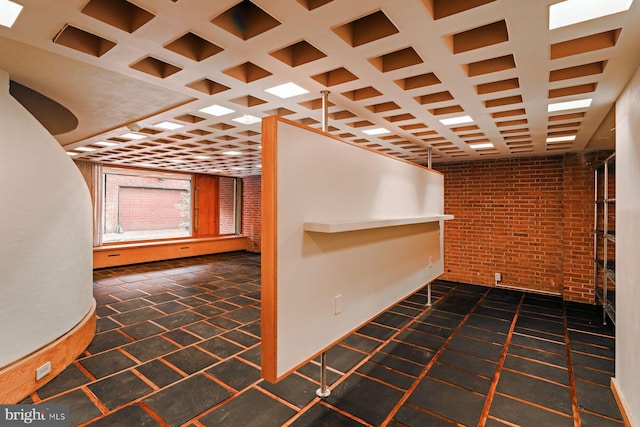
496, 377
367, 358
433, 360
575, 408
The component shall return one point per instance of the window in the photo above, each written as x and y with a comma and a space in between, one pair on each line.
150, 205
142, 205
229, 205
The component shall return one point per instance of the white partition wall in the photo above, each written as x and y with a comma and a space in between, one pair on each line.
347, 232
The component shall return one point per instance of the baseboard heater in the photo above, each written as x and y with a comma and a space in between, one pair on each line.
531, 291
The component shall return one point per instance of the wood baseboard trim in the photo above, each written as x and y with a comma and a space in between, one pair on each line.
135, 253
19, 380
626, 417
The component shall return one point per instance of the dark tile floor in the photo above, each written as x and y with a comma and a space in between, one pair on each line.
178, 344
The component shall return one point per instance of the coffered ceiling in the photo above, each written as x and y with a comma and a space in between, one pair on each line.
121, 67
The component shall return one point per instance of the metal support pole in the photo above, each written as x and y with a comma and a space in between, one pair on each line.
429, 157
429, 295
325, 110
323, 391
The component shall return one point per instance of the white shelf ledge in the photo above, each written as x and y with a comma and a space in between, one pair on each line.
365, 224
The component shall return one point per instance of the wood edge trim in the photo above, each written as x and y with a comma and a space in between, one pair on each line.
319, 131
18, 379
626, 416
269, 196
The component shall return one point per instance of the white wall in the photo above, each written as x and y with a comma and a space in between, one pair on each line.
628, 246
45, 235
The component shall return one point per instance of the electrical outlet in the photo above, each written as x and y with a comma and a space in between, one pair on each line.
43, 370
337, 307
498, 277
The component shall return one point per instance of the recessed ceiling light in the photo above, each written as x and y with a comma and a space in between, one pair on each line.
247, 119
237, 168
71, 153
561, 138
9, 12
217, 110
571, 12
259, 166
144, 164
168, 125
232, 153
287, 90
131, 135
569, 105
202, 157
176, 161
85, 149
216, 171
481, 145
376, 131
105, 143
456, 120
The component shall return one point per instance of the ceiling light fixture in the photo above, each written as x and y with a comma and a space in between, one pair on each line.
202, 157
9, 12
237, 168
131, 135
105, 144
561, 138
232, 153
247, 119
215, 171
217, 110
168, 125
569, 105
456, 120
571, 12
481, 145
376, 131
71, 153
86, 149
287, 90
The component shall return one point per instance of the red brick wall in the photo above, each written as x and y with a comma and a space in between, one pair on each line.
530, 219
251, 211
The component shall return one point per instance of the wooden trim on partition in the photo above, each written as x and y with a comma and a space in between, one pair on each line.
269, 277
134, 253
19, 379
626, 418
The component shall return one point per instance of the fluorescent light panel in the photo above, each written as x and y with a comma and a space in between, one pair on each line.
456, 120
571, 12
569, 105
216, 110
376, 131
232, 153
9, 12
86, 149
105, 144
202, 157
131, 135
247, 119
168, 125
287, 90
481, 145
561, 138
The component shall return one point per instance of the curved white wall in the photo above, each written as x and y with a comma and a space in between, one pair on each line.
45, 235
